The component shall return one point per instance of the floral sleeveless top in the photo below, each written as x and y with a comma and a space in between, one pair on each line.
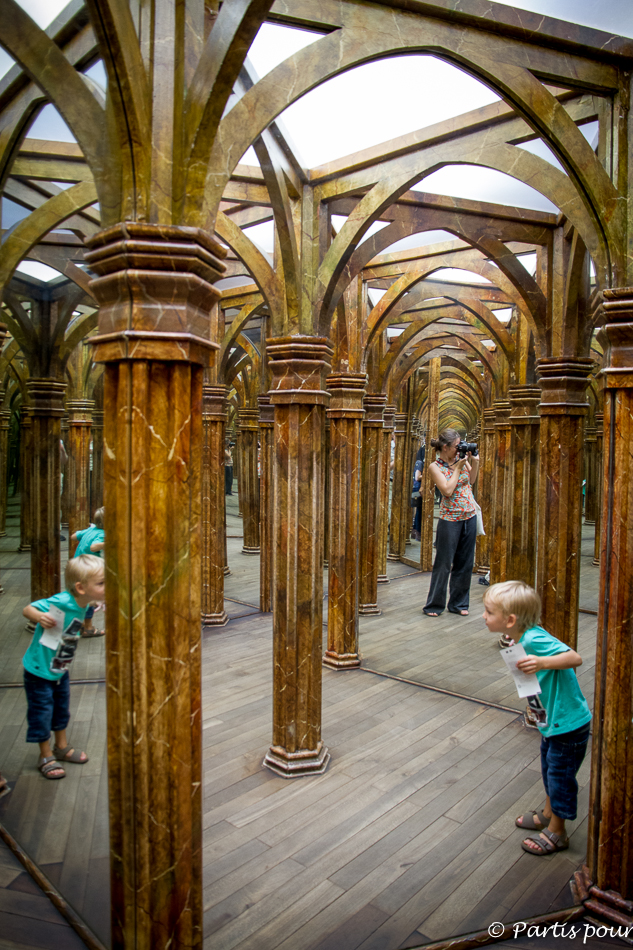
461, 505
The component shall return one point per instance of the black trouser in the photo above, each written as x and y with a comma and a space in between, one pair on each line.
228, 479
454, 558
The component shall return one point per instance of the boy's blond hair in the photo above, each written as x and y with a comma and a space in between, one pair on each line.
518, 598
99, 515
82, 568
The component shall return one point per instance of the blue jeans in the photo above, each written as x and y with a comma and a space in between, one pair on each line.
561, 757
48, 706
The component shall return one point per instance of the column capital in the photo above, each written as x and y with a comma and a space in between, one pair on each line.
46, 397
154, 286
80, 411
502, 409
489, 419
616, 336
299, 365
248, 418
266, 412
524, 403
347, 391
563, 382
374, 404
400, 423
214, 403
388, 417
5, 418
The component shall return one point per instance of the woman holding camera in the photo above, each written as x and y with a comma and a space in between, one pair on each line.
457, 528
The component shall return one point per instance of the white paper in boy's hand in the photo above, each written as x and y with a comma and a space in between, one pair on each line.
52, 635
527, 684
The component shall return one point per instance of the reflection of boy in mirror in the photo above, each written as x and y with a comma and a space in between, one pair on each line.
513, 608
47, 687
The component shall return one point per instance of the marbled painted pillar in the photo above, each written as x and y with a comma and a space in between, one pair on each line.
266, 440
371, 470
26, 477
326, 491
500, 493
485, 489
65, 480
96, 488
79, 413
600, 482
427, 486
591, 474
610, 834
46, 398
563, 409
247, 420
523, 483
5, 418
345, 414
383, 540
213, 506
154, 288
299, 365
399, 487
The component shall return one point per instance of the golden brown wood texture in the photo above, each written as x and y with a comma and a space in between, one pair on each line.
5, 416
599, 484
78, 465
522, 483
500, 493
213, 506
398, 523
385, 476
485, 489
370, 489
247, 420
563, 409
153, 436
299, 366
266, 438
346, 414
427, 486
26, 478
610, 851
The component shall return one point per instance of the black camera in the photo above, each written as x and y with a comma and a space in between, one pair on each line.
465, 447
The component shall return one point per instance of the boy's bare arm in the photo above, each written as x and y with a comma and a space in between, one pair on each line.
566, 660
38, 616
97, 546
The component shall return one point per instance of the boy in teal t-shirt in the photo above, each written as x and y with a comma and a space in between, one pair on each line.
561, 711
91, 540
48, 658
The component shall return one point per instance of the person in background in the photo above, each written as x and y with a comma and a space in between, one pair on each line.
456, 528
228, 469
418, 469
91, 541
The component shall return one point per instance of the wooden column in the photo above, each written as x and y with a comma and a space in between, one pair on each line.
154, 288
485, 489
5, 418
96, 487
399, 488
523, 483
345, 414
65, 480
26, 477
371, 470
299, 365
427, 486
563, 409
591, 474
600, 482
500, 493
213, 613
266, 440
248, 479
79, 413
610, 833
46, 399
383, 512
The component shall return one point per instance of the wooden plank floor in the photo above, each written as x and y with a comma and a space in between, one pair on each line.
408, 837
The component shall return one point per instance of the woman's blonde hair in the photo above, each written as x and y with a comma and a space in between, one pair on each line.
82, 568
518, 598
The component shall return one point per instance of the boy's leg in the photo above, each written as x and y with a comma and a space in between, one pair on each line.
61, 718
448, 534
39, 716
463, 561
561, 757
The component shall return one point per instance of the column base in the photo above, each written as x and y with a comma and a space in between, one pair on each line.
369, 609
589, 522
249, 550
596, 562
297, 764
3, 534
605, 907
227, 570
24, 547
482, 568
215, 620
341, 661
393, 557
383, 579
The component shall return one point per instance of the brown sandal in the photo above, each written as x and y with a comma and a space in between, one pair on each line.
49, 764
70, 755
549, 845
527, 821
